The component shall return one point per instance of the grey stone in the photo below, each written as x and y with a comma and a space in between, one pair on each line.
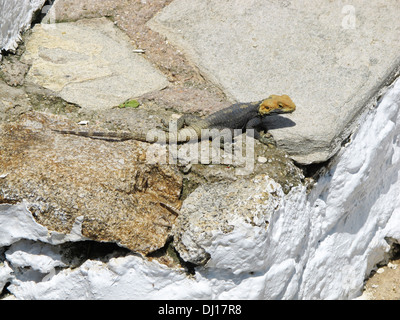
90, 63
13, 71
331, 58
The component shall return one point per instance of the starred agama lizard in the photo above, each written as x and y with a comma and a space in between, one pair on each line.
237, 116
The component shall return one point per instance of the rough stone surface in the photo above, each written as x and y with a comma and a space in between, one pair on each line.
20, 224
90, 63
331, 58
13, 72
12, 101
188, 91
215, 212
107, 187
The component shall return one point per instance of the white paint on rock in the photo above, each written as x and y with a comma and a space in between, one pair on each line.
36, 255
5, 274
319, 246
15, 17
16, 223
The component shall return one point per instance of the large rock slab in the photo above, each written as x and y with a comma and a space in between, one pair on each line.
329, 57
90, 63
106, 189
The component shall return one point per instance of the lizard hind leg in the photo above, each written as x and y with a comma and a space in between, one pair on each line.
187, 120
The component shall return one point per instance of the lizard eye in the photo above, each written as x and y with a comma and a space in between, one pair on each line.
280, 105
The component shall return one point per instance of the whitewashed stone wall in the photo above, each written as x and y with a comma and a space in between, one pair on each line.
15, 17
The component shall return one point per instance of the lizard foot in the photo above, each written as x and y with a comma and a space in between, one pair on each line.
164, 126
268, 140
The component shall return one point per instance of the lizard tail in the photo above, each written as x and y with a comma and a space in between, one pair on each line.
106, 135
184, 135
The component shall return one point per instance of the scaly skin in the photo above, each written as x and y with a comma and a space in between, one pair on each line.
237, 116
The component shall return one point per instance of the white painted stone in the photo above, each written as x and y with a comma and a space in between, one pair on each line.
119, 279
15, 17
216, 215
329, 57
36, 255
16, 223
5, 274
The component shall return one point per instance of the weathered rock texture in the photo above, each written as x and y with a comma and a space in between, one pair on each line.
107, 185
217, 212
90, 63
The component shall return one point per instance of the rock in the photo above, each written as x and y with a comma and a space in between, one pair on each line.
18, 223
96, 280
330, 58
317, 244
262, 159
209, 164
90, 63
186, 100
13, 71
73, 10
13, 102
217, 212
106, 188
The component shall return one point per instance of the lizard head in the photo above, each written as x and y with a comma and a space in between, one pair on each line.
276, 104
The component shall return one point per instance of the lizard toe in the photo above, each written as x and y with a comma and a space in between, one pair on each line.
164, 126
268, 140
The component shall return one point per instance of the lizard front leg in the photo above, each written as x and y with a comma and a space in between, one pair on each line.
266, 139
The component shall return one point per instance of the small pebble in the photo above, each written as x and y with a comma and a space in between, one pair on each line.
380, 270
262, 159
187, 168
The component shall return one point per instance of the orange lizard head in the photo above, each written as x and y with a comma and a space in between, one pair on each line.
276, 104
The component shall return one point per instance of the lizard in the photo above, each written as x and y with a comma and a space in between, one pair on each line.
237, 116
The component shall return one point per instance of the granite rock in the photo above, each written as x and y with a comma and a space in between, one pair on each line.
108, 188
216, 212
